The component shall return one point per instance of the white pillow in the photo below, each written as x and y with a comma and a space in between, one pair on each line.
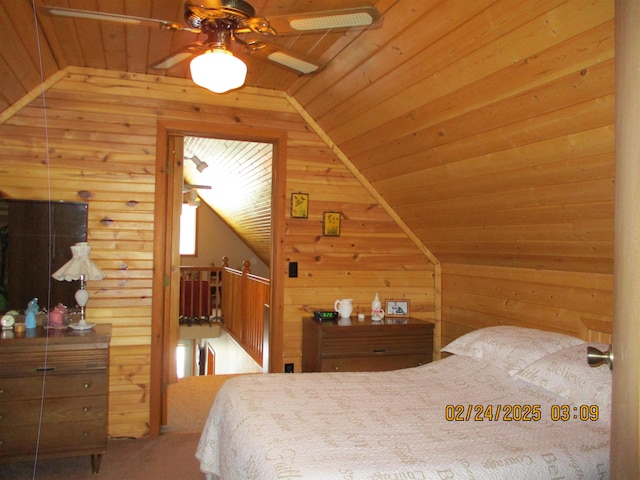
568, 374
508, 347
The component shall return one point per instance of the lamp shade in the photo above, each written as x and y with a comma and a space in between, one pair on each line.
218, 70
80, 265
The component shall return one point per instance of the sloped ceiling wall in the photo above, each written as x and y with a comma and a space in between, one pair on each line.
487, 126
239, 176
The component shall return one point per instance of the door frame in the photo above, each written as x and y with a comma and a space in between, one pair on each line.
166, 258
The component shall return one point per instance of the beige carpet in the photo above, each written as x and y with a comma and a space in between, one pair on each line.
167, 457
190, 401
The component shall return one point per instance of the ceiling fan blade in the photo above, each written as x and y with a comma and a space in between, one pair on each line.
300, 64
178, 56
334, 20
113, 17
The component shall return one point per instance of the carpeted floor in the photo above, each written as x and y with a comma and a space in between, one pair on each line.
170, 456
190, 401
167, 457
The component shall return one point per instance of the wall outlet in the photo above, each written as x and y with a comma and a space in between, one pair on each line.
288, 368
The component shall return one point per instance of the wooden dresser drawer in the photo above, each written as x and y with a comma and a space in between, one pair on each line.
373, 363
54, 439
54, 410
54, 361
377, 343
54, 394
365, 346
80, 384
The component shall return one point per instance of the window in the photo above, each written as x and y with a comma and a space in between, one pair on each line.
181, 360
188, 229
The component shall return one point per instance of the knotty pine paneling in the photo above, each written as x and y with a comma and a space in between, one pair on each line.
492, 134
100, 146
476, 296
487, 126
372, 255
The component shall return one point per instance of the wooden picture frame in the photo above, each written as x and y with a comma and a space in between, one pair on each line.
331, 222
299, 205
396, 308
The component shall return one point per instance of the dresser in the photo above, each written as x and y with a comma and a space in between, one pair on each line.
329, 346
54, 394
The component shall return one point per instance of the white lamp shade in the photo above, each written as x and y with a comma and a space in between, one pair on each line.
79, 266
218, 70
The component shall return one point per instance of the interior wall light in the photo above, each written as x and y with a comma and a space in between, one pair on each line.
218, 70
200, 165
194, 200
82, 268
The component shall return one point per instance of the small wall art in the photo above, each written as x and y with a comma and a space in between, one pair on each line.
331, 224
299, 205
396, 308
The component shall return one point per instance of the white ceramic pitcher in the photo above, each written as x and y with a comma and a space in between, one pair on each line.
344, 307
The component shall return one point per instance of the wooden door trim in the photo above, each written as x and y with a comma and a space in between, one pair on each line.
164, 245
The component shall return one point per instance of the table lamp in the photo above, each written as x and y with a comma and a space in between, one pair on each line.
80, 267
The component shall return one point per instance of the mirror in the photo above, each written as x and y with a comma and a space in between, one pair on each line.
35, 240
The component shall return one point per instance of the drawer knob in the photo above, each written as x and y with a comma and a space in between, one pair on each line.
85, 434
85, 409
86, 385
336, 368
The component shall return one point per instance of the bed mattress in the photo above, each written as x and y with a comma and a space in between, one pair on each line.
428, 422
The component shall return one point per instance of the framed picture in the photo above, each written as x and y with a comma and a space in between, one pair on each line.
396, 308
331, 224
299, 205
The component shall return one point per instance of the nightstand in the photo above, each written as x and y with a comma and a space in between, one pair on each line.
393, 343
54, 387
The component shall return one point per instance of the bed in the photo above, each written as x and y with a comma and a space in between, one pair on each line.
509, 403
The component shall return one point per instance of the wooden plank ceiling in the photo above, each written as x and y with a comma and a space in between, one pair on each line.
488, 126
239, 174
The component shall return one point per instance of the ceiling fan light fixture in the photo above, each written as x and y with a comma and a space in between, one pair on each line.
292, 62
172, 60
72, 13
346, 20
218, 70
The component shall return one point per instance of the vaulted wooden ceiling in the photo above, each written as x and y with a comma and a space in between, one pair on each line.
60, 41
487, 126
239, 174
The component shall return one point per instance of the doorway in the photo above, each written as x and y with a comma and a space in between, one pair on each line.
169, 177
227, 183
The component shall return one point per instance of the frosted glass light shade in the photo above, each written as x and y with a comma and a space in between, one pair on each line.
82, 297
218, 70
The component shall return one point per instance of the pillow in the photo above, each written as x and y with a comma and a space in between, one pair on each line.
508, 347
568, 374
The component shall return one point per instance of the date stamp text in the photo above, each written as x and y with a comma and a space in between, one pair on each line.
520, 413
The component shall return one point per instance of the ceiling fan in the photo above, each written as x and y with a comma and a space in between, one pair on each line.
227, 21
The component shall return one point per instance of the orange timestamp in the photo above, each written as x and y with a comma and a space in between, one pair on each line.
519, 413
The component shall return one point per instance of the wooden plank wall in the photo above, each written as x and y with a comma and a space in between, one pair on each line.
491, 134
575, 303
99, 145
372, 254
